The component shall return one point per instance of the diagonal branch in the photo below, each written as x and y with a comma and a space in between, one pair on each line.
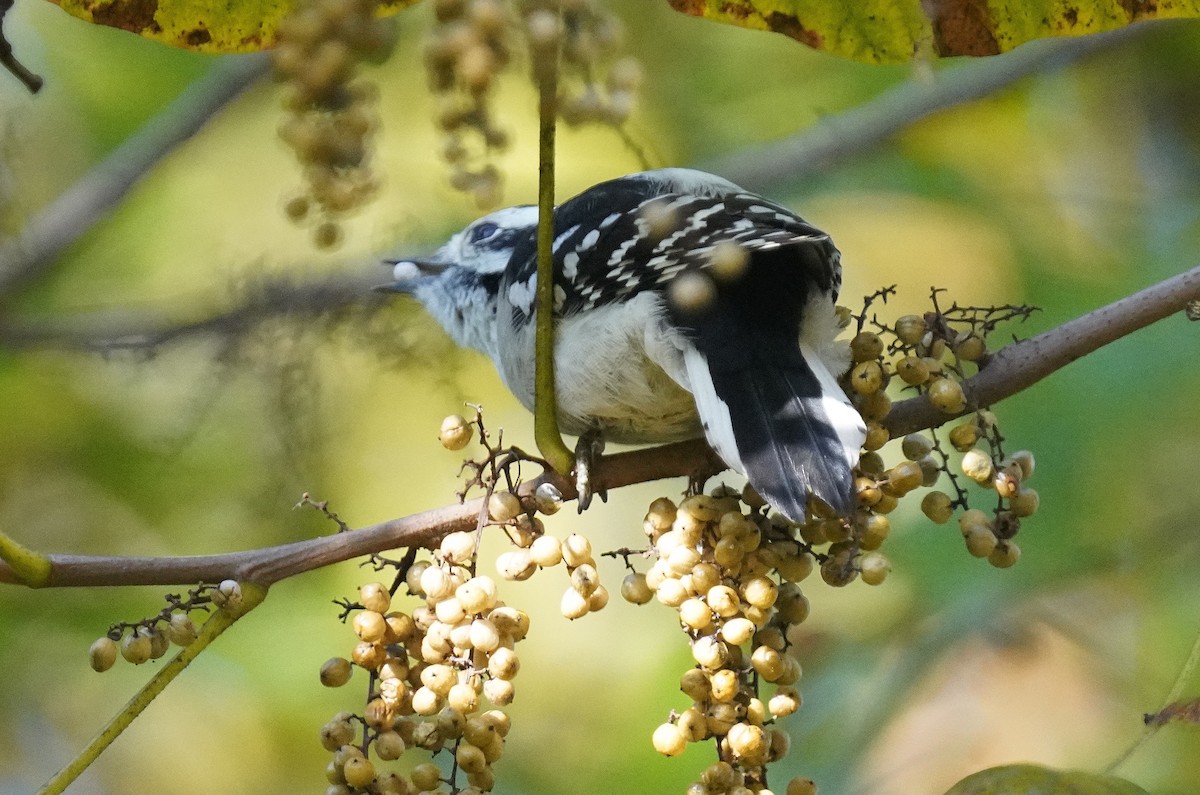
838, 138
1011, 370
86, 202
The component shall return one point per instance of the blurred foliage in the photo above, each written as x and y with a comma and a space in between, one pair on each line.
1037, 780
210, 26
1067, 192
889, 32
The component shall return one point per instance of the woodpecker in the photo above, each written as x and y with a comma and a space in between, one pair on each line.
684, 306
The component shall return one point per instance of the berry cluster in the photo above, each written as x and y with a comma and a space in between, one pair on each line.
733, 575
331, 115
932, 354
586, 36
472, 42
150, 638
466, 50
430, 668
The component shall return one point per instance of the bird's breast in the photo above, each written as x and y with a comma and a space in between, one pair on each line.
618, 368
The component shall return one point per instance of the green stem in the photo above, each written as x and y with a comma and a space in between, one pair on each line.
31, 568
252, 596
545, 414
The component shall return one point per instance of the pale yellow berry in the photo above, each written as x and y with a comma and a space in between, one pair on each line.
577, 550
498, 691
947, 395
1025, 503
668, 740
724, 684
760, 592
477, 594
964, 436
181, 630
737, 631
456, 432
585, 579
695, 684
785, 702
598, 600
978, 466
389, 745
515, 564
909, 330
458, 547
936, 505
671, 592
723, 600
695, 614
748, 742
980, 540
801, 786
135, 648
463, 698
974, 517
369, 626
1004, 555
436, 583
359, 771
546, 551
874, 568
503, 506
573, 604
102, 654
768, 662
336, 672
634, 588
1024, 459
709, 652
426, 776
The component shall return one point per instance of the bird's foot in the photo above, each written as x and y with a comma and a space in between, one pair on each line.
587, 452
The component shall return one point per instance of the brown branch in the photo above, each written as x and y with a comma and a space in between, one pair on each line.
1018, 366
271, 564
1012, 369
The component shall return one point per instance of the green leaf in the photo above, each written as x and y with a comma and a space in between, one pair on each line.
1037, 780
890, 31
213, 26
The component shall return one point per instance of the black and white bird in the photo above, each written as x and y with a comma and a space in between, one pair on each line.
685, 305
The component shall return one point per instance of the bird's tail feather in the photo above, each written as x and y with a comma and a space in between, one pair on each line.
782, 426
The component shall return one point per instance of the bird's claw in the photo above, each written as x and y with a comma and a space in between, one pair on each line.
587, 452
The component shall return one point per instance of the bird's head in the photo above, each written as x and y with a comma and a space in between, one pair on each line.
459, 282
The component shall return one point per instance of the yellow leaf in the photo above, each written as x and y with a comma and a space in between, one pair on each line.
215, 26
889, 31
1037, 780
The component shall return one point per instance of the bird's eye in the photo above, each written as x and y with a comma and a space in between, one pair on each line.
483, 232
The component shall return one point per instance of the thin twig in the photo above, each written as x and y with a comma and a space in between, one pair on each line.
1013, 369
9, 60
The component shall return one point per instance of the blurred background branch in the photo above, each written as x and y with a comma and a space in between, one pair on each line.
71, 215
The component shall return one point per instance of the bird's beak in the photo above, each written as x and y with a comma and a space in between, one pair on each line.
408, 273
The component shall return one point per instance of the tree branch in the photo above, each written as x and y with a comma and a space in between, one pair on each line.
113, 331
1018, 366
73, 213
1012, 369
837, 138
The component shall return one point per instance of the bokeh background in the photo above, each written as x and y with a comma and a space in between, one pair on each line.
1068, 190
